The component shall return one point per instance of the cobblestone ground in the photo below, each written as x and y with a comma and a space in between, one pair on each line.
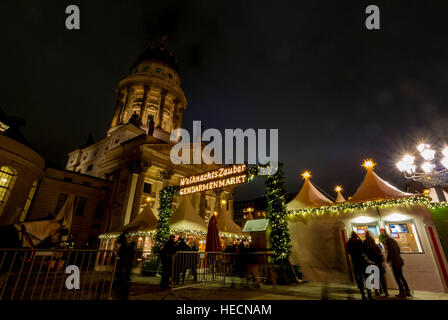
147, 288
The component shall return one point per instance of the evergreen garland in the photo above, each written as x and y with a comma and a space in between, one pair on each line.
165, 211
279, 234
279, 238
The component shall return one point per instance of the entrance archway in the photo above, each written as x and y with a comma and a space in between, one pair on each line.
279, 239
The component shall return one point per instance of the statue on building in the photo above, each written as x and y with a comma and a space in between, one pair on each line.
135, 119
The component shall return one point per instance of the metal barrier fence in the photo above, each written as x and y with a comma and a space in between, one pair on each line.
197, 268
27, 274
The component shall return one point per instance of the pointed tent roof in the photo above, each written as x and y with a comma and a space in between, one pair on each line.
375, 188
226, 223
145, 220
308, 196
185, 217
340, 198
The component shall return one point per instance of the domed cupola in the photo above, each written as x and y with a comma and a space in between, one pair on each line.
151, 96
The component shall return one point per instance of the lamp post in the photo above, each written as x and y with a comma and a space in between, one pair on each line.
428, 166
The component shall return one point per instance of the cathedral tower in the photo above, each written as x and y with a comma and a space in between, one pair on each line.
151, 96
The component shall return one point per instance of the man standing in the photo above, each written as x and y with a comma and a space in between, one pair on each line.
169, 248
396, 262
355, 249
375, 255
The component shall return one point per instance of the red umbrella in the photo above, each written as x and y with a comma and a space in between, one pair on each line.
213, 241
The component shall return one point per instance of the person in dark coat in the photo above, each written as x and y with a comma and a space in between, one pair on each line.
396, 262
126, 256
375, 255
194, 264
184, 263
168, 250
359, 262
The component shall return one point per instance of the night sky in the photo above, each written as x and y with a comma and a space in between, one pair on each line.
336, 91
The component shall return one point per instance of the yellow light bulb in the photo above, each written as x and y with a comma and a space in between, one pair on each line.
306, 174
338, 189
368, 164
223, 201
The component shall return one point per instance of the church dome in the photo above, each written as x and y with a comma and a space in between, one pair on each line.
159, 53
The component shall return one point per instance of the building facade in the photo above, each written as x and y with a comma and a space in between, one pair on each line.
135, 154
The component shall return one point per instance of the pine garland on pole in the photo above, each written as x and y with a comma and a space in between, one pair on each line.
276, 214
165, 211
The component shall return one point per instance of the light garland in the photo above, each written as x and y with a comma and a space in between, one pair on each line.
438, 205
347, 207
165, 211
279, 238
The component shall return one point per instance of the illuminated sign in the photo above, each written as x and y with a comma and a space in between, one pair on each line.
218, 178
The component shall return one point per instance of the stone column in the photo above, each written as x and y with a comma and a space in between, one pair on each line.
130, 97
143, 110
117, 112
139, 167
130, 192
180, 113
161, 107
113, 206
158, 186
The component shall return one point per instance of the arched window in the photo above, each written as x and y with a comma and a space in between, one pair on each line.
7, 179
28, 201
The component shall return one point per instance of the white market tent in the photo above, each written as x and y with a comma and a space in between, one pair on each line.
308, 196
145, 221
340, 198
226, 224
317, 243
374, 188
185, 218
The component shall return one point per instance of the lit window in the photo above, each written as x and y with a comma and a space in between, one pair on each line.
406, 236
7, 179
361, 230
28, 201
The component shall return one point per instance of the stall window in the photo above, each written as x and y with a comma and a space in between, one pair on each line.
406, 236
361, 230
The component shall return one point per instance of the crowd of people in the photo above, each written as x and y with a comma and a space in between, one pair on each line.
168, 250
368, 252
238, 262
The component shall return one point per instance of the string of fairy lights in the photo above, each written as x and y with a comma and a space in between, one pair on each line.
277, 214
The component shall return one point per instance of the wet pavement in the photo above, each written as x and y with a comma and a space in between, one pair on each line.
147, 288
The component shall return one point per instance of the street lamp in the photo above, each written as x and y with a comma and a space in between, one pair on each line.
425, 169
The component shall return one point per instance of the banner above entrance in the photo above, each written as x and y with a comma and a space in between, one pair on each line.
218, 178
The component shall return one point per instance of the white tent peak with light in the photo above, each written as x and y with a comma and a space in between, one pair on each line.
339, 197
375, 188
308, 196
185, 218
